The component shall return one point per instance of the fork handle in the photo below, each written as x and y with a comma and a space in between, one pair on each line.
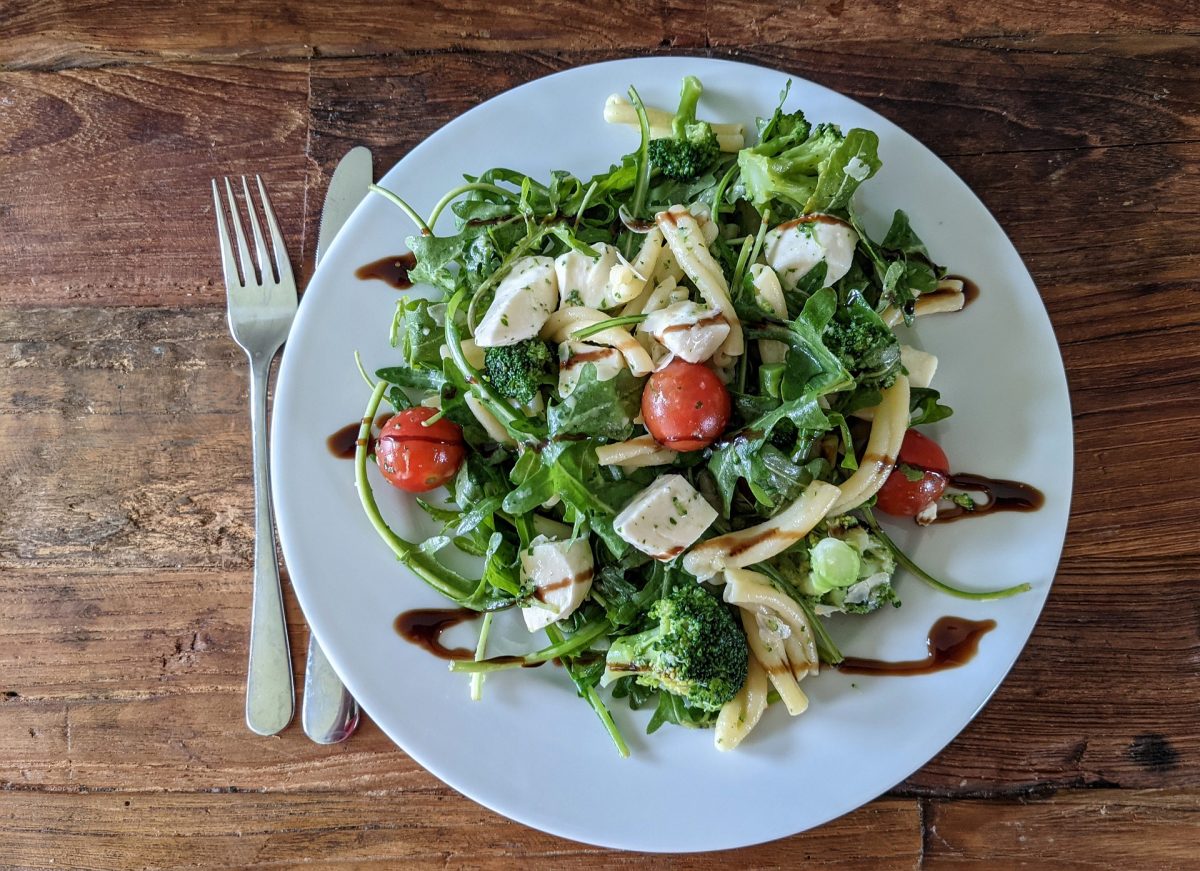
270, 696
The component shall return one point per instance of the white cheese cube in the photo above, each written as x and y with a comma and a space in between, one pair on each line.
794, 248
524, 301
688, 330
596, 282
920, 366
666, 518
561, 572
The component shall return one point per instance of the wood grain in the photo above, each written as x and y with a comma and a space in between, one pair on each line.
1074, 831
61, 33
106, 195
421, 829
125, 542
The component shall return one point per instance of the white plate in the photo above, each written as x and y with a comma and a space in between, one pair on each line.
531, 749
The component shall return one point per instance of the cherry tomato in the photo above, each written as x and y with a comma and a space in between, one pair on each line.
685, 406
905, 495
415, 457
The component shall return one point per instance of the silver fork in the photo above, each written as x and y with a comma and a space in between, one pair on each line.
260, 314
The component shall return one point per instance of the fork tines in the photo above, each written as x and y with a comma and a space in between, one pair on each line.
271, 271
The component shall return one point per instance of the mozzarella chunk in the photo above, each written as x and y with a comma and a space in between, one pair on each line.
524, 300
920, 365
666, 518
561, 572
597, 282
572, 355
688, 330
794, 248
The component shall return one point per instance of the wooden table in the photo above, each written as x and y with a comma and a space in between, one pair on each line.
125, 496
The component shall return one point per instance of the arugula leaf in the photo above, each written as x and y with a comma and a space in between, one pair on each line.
855, 160
673, 709
810, 367
623, 601
419, 332
599, 409
901, 237
745, 455
429, 380
925, 407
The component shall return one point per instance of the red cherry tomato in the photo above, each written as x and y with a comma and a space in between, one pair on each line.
905, 495
415, 457
685, 406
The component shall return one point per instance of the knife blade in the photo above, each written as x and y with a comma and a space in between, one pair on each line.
328, 712
351, 178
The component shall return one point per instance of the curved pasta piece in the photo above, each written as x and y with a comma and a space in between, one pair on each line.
769, 293
877, 462
571, 318
753, 590
490, 423
618, 110
645, 263
659, 297
635, 453
741, 713
667, 266
942, 300
778, 632
757, 543
686, 240
773, 659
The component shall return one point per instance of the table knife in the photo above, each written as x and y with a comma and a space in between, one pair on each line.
328, 712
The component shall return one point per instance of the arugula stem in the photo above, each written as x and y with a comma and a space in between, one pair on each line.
906, 562
601, 326
450, 584
719, 190
589, 694
583, 204
404, 207
566, 647
480, 651
467, 188
642, 185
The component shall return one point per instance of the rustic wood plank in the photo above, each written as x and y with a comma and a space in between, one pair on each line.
60, 33
1104, 677
436, 829
106, 197
989, 94
1080, 830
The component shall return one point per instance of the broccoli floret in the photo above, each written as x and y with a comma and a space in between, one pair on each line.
788, 167
866, 346
517, 371
697, 651
692, 147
